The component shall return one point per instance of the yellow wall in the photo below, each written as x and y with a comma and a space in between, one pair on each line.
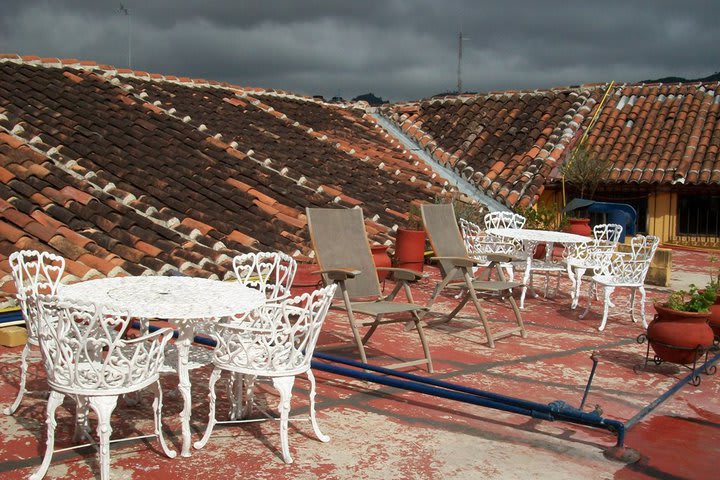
662, 218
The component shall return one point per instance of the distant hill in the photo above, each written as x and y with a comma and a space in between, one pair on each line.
371, 99
710, 78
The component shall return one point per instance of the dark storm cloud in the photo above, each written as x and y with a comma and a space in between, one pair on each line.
395, 49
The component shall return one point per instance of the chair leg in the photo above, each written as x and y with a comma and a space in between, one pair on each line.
513, 304
103, 407
157, 414
423, 341
478, 307
249, 391
81, 418
632, 305
642, 305
316, 428
606, 307
571, 276
23, 377
54, 401
214, 376
284, 386
577, 281
591, 295
353, 327
527, 277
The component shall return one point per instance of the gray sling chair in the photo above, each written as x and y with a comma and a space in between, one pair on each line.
456, 268
343, 253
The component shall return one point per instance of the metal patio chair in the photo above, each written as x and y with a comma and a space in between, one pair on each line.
479, 244
86, 358
343, 253
276, 343
270, 272
34, 272
587, 256
624, 269
456, 267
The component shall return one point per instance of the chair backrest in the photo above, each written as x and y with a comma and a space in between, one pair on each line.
472, 236
503, 220
340, 242
280, 338
83, 349
269, 272
632, 267
607, 233
35, 273
442, 229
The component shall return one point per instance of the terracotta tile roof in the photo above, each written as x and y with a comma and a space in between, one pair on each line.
504, 143
661, 134
511, 144
125, 172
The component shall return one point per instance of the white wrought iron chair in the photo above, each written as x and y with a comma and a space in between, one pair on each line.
624, 269
271, 272
278, 343
34, 272
586, 256
479, 245
86, 358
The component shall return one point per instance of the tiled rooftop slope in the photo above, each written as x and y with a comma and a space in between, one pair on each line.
126, 173
510, 145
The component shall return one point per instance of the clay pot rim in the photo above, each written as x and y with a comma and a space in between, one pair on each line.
663, 308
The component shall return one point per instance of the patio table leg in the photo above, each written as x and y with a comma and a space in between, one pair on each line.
185, 338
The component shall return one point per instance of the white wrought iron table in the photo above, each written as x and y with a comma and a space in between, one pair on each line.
184, 301
530, 239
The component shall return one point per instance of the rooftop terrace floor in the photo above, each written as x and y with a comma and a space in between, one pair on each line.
382, 432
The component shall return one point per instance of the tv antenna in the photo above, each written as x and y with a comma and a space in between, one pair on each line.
459, 69
126, 12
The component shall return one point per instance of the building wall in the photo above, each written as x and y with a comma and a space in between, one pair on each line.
662, 213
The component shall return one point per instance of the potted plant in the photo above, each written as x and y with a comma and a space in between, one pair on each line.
584, 171
410, 242
680, 330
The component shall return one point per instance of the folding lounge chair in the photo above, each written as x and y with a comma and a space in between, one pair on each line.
456, 268
341, 246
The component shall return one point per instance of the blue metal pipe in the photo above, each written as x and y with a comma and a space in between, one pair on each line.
655, 403
557, 410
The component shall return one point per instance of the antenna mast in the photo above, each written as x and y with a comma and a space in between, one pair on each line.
459, 68
125, 11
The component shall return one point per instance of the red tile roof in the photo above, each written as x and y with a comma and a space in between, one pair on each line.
511, 145
129, 173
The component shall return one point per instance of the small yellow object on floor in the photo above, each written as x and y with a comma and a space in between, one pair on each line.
13, 336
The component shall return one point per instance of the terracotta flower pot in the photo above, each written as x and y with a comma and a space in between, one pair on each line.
579, 226
381, 259
674, 335
410, 249
305, 281
715, 316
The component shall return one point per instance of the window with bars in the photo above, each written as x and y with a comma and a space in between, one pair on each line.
699, 215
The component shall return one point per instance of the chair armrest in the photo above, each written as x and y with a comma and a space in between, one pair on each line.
459, 261
499, 258
402, 273
339, 274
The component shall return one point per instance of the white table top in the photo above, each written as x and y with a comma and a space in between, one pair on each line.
166, 297
538, 235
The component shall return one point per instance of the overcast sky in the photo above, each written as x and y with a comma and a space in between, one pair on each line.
397, 49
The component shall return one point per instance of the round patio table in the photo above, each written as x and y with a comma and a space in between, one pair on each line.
184, 301
530, 239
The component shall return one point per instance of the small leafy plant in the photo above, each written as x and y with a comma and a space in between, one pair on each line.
714, 281
414, 221
692, 300
543, 217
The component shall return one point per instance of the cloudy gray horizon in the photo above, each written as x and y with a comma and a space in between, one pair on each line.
396, 49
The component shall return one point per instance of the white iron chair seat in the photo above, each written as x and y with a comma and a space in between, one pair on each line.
538, 265
609, 281
198, 358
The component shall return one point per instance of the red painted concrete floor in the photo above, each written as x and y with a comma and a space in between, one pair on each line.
381, 432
